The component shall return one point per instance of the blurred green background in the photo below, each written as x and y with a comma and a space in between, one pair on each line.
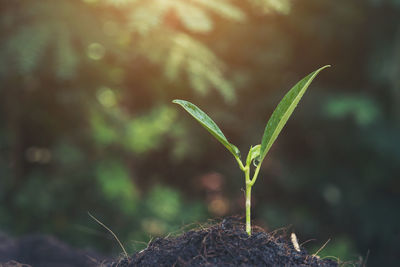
87, 124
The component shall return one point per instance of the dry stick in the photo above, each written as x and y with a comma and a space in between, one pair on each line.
109, 230
305, 242
333, 257
366, 259
321, 248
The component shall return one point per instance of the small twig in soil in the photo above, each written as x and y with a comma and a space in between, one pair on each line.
109, 230
321, 248
364, 262
305, 242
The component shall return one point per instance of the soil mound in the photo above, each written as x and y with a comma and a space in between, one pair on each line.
223, 244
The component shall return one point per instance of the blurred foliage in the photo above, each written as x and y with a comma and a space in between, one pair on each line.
86, 122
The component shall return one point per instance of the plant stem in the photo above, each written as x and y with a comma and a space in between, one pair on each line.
255, 174
248, 207
241, 166
248, 199
249, 185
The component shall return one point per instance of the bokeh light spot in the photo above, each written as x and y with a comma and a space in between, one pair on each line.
38, 155
96, 51
107, 97
219, 206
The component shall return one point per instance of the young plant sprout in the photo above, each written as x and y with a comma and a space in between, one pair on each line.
257, 153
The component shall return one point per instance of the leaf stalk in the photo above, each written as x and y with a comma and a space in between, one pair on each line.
241, 166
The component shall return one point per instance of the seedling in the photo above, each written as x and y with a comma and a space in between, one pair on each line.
257, 153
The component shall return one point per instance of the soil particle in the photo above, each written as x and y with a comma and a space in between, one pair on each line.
223, 244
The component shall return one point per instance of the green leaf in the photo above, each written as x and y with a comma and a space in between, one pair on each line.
283, 111
254, 153
209, 124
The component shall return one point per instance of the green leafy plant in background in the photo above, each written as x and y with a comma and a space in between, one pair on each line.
257, 153
66, 41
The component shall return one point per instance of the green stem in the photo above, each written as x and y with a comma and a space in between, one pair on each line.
240, 163
248, 206
249, 185
255, 175
248, 200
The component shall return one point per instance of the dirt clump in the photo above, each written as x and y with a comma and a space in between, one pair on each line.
223, 244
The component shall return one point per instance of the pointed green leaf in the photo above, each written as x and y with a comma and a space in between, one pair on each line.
283, 111
254, 153
208, 123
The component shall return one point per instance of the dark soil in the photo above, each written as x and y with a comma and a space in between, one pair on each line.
223, 244
43, 251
